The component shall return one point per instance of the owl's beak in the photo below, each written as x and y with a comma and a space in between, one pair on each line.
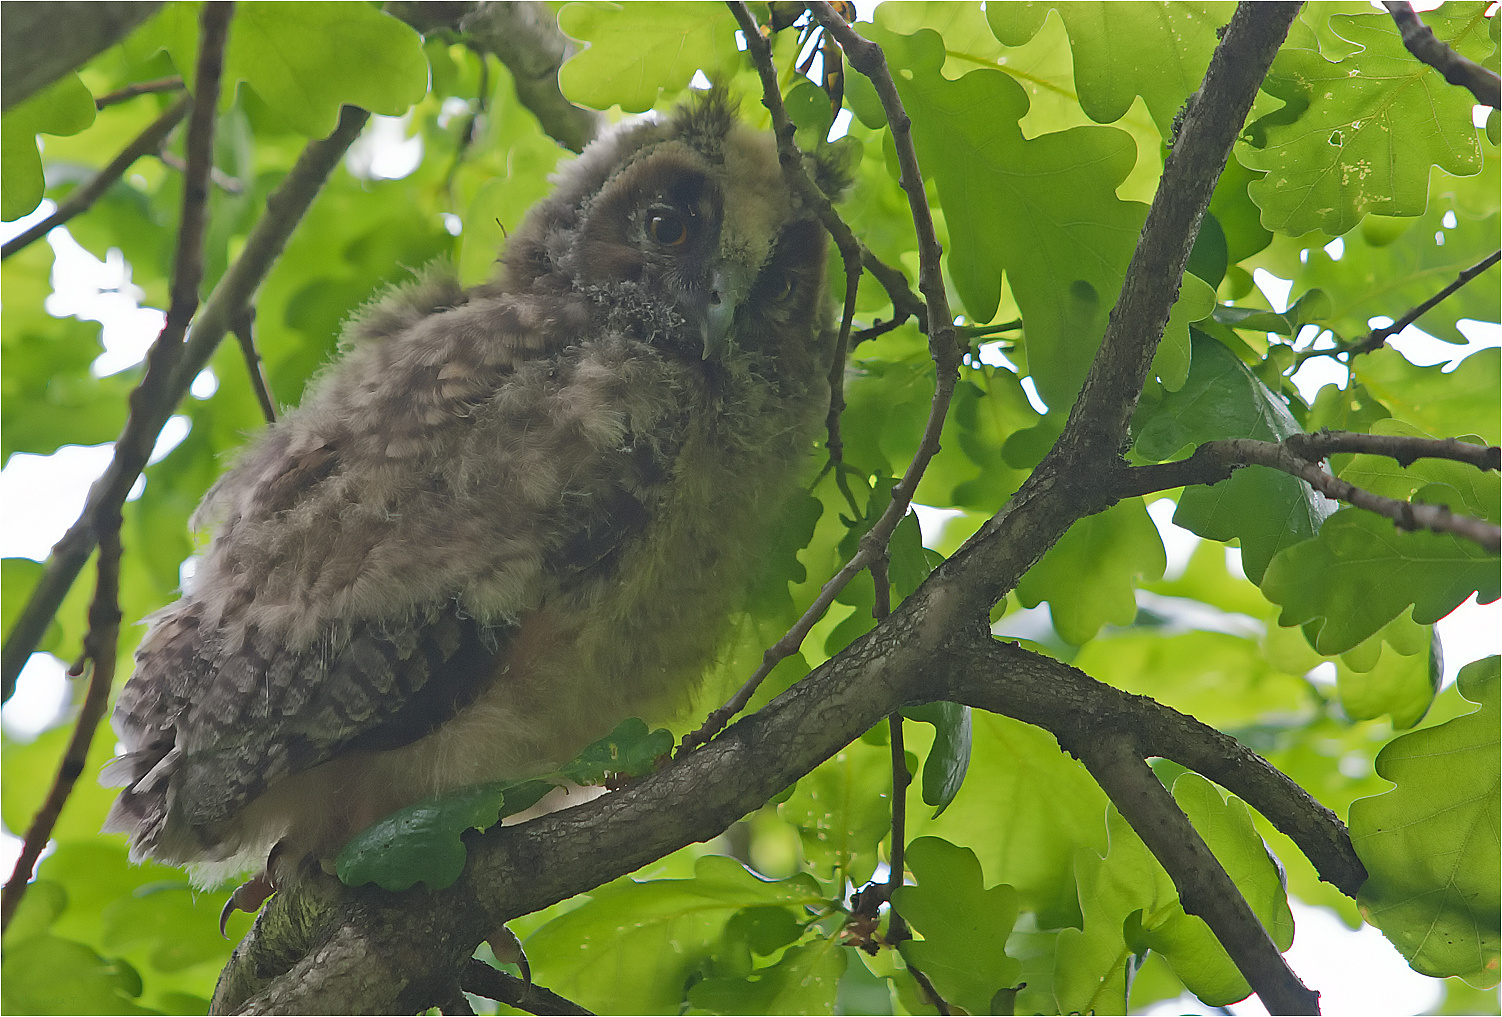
728, 286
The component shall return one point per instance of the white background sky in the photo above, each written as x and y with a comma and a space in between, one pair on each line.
1358, 972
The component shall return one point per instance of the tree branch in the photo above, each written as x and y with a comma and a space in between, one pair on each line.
174, 83
244, 329
83, 197
1420, 40
319, 944
1214, 461
525, 37
285, 208
1205, 889
1378, 337
99, 650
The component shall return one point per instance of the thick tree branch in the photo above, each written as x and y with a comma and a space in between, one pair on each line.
1325, 443
83, 197
34, 53
1214, 461
1419, 39
284, 210
324, 948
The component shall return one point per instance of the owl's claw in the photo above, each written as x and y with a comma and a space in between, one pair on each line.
248, 897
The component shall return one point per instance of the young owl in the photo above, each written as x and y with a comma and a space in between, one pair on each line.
507, 518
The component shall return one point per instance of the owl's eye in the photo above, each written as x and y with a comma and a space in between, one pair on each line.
667, 227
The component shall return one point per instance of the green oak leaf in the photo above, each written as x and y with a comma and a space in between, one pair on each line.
1370, 127
633, 945
46, 974
1266, 509
1396, 684
1042, 210
1170, 48
949, 757
1360, 572
1430, 845
1089, 575
634, 52
630, 750
62, 108
1171, 361
1462, 401
421, 843
805, 979
306, 60
1025, 809
964, 925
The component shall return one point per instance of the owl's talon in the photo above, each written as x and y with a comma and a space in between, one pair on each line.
508, 950
247, 897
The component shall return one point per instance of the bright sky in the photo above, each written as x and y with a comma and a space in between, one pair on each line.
1358, 972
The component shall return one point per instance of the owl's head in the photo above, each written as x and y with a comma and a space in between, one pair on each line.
687, 229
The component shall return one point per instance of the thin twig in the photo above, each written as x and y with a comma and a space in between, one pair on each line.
243, 328
219, 178
866, 57
1214, 461
1420, 40
170, 84
850, 250
285, 208
82, 197
99, 653
1379, 336
104, 614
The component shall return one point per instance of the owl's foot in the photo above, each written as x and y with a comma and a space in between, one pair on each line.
248, 896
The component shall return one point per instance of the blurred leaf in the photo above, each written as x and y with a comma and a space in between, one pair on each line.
305, 60
632, 945
634, 52
842, 811
1430, 845
63, 107
1446, 404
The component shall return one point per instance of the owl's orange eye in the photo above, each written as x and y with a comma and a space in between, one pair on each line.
667, 228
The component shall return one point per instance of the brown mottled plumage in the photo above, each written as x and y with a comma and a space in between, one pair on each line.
506, 519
